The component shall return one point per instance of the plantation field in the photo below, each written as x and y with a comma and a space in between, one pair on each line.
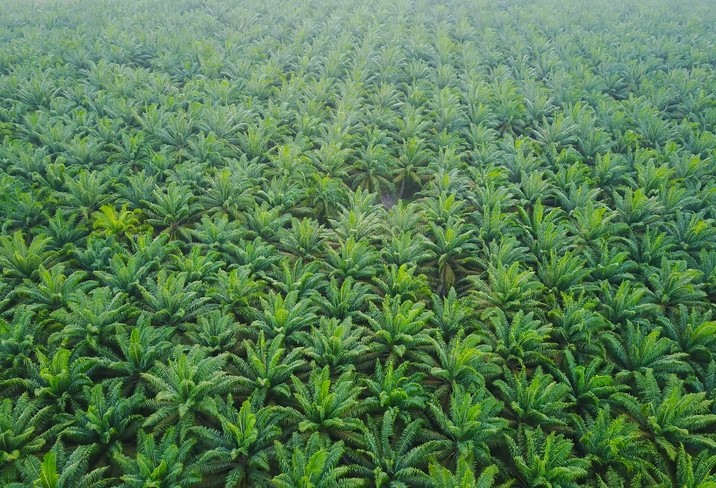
382, 244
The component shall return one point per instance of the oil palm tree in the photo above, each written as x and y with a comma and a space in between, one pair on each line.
238, 453
546, 460
185, 389
391, 455
313, 464
470, 426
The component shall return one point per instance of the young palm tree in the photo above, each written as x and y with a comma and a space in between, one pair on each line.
399, 330
521, 340
108, 424
340, 345
639, 349
451, 249
615, 443
22, 259
22, 433
60, 468
172, 301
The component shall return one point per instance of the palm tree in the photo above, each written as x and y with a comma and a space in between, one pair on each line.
409, 168
172, 301
470, 427
138, 349
87, 191
265, 369
399, 330
639, 349
674, 283
508, 287
285, 315
109, 422
371, 170
615, 443
62, 379
538, 401
350, 299
521, 340
186, 389
578, 325
402, 281
393, 387
63, 469
22, 433
353, 259
391, 455
693, 333
20, 259
592, 384
123, 223
695, 472
238, 454
22, 339
463, 362
340, 345
171, 208
328, 407
312, 464
545, 460
668, 416
92, 321
169, 461
451, 248
217, 332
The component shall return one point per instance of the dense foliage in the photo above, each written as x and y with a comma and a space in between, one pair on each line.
380, 243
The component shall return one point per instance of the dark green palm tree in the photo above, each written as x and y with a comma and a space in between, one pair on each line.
21, 257
463, 476
399, 329
61, 468
669, 416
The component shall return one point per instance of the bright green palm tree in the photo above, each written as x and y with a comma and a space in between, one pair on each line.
313, 464
391, 455
185, 389
238, 453
546, 460
668, 416
160, 461
470, 427
328, 406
